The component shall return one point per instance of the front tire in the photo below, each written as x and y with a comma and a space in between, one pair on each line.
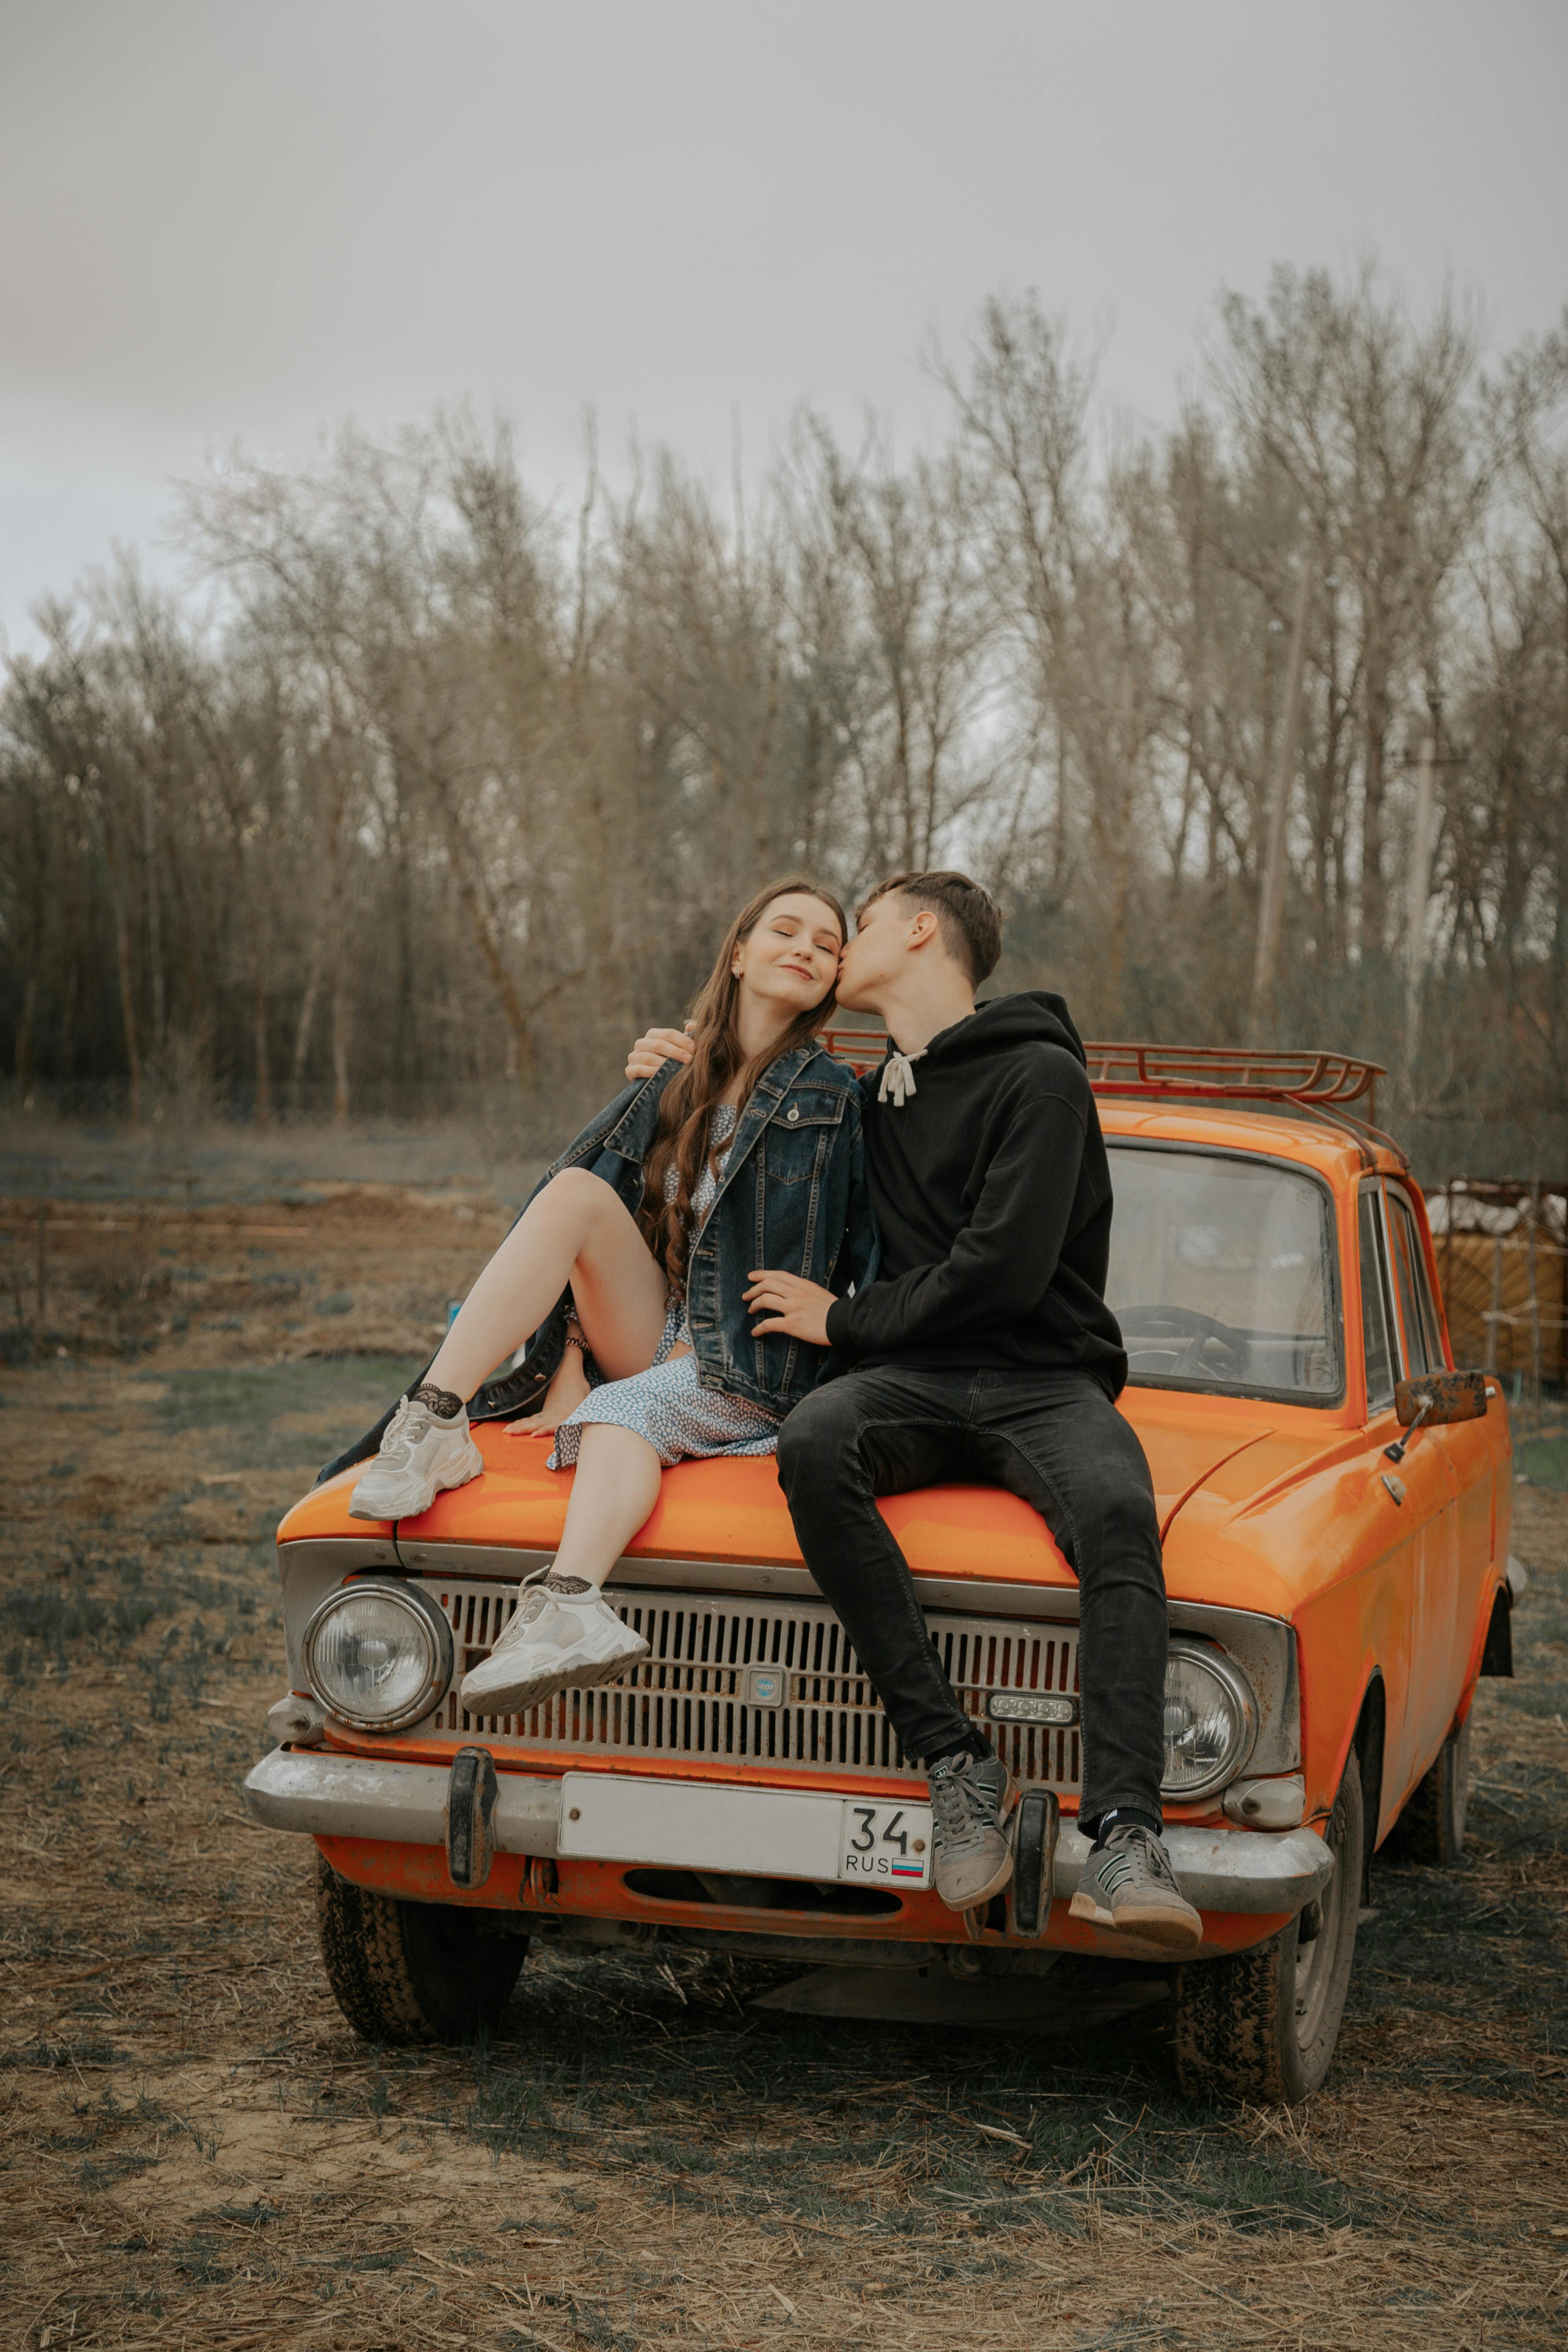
1430, 1830
412, 1971
1263, 2024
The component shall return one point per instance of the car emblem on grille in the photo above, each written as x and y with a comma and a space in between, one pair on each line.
765, 1687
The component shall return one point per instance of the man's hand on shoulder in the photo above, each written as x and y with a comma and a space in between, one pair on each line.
797, 1308
656, 1046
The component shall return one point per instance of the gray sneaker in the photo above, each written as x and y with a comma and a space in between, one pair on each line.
420, 1455
1129, 1884
972, 1858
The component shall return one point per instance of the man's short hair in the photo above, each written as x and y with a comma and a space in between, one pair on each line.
970, 922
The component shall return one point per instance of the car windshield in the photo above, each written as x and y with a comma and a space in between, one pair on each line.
1222, 1274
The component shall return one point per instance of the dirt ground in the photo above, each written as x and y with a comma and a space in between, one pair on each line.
198, 2155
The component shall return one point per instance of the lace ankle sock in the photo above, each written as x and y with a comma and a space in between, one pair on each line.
554, 1583
441, 1401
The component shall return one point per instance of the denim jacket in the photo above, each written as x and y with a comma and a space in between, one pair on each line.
791, 1198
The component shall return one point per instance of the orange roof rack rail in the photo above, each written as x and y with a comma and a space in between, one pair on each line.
1324, 1085
1303, 1079
861, 1048
1226, 1073
1315, 1081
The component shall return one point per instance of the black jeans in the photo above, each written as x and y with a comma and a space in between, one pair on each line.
1054, 1438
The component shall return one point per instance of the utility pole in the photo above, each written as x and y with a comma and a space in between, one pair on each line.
1272, 905
1418, 888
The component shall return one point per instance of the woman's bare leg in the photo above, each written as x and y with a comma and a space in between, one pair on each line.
578, 1231
565, 1635
615, 1488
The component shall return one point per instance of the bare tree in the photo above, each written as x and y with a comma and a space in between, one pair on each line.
444, 791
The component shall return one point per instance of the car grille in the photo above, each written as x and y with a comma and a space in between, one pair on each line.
690, 1696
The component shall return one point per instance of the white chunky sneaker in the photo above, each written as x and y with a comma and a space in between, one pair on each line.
420, 1455
556, 1641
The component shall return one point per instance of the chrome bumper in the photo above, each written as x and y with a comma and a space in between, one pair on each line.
1225, 1870
365, 1797
1255, 1871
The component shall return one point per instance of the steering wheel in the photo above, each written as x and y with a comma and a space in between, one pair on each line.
1173, 1322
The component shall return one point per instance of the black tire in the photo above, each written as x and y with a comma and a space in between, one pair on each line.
1431, 1828
1263, 2024
412, 1971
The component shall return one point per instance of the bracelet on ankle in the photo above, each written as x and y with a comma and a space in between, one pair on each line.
575, 1339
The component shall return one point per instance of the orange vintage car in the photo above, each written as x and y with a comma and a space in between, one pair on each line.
1335, 1504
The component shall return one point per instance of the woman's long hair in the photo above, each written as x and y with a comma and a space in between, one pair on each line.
682, 1140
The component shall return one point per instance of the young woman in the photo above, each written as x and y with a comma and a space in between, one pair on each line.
631, 1266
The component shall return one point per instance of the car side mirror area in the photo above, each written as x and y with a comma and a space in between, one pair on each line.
1434, 1398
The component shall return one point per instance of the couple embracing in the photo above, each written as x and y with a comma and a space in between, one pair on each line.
890, 1282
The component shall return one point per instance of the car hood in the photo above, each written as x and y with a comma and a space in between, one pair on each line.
733, 1509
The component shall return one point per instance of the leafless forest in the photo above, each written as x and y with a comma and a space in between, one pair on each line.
426, 794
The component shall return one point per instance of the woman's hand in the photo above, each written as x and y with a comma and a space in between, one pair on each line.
568, 1387
655, 1047
798, 1308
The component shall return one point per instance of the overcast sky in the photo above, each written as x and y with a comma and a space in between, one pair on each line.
249, 218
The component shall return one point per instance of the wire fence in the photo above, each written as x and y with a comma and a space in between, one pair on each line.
1502, 1261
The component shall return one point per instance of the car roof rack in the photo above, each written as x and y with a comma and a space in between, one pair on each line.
1226, 1072
861, 1048
1309, 1079
1296, 1078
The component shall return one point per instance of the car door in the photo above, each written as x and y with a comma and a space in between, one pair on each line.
1432, 1487
1467, 1444
1402, 1504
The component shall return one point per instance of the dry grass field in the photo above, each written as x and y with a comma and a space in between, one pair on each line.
198, 2155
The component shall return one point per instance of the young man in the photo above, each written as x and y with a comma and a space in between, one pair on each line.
984, 1350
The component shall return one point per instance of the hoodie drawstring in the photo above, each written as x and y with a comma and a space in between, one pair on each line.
898, 1080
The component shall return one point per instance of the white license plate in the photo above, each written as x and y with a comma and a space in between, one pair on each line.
776, 1832
888, 1843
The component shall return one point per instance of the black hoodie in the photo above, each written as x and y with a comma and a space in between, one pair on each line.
992, 1189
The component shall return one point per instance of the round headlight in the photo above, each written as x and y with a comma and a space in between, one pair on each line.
378, 1656
1211, 1720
